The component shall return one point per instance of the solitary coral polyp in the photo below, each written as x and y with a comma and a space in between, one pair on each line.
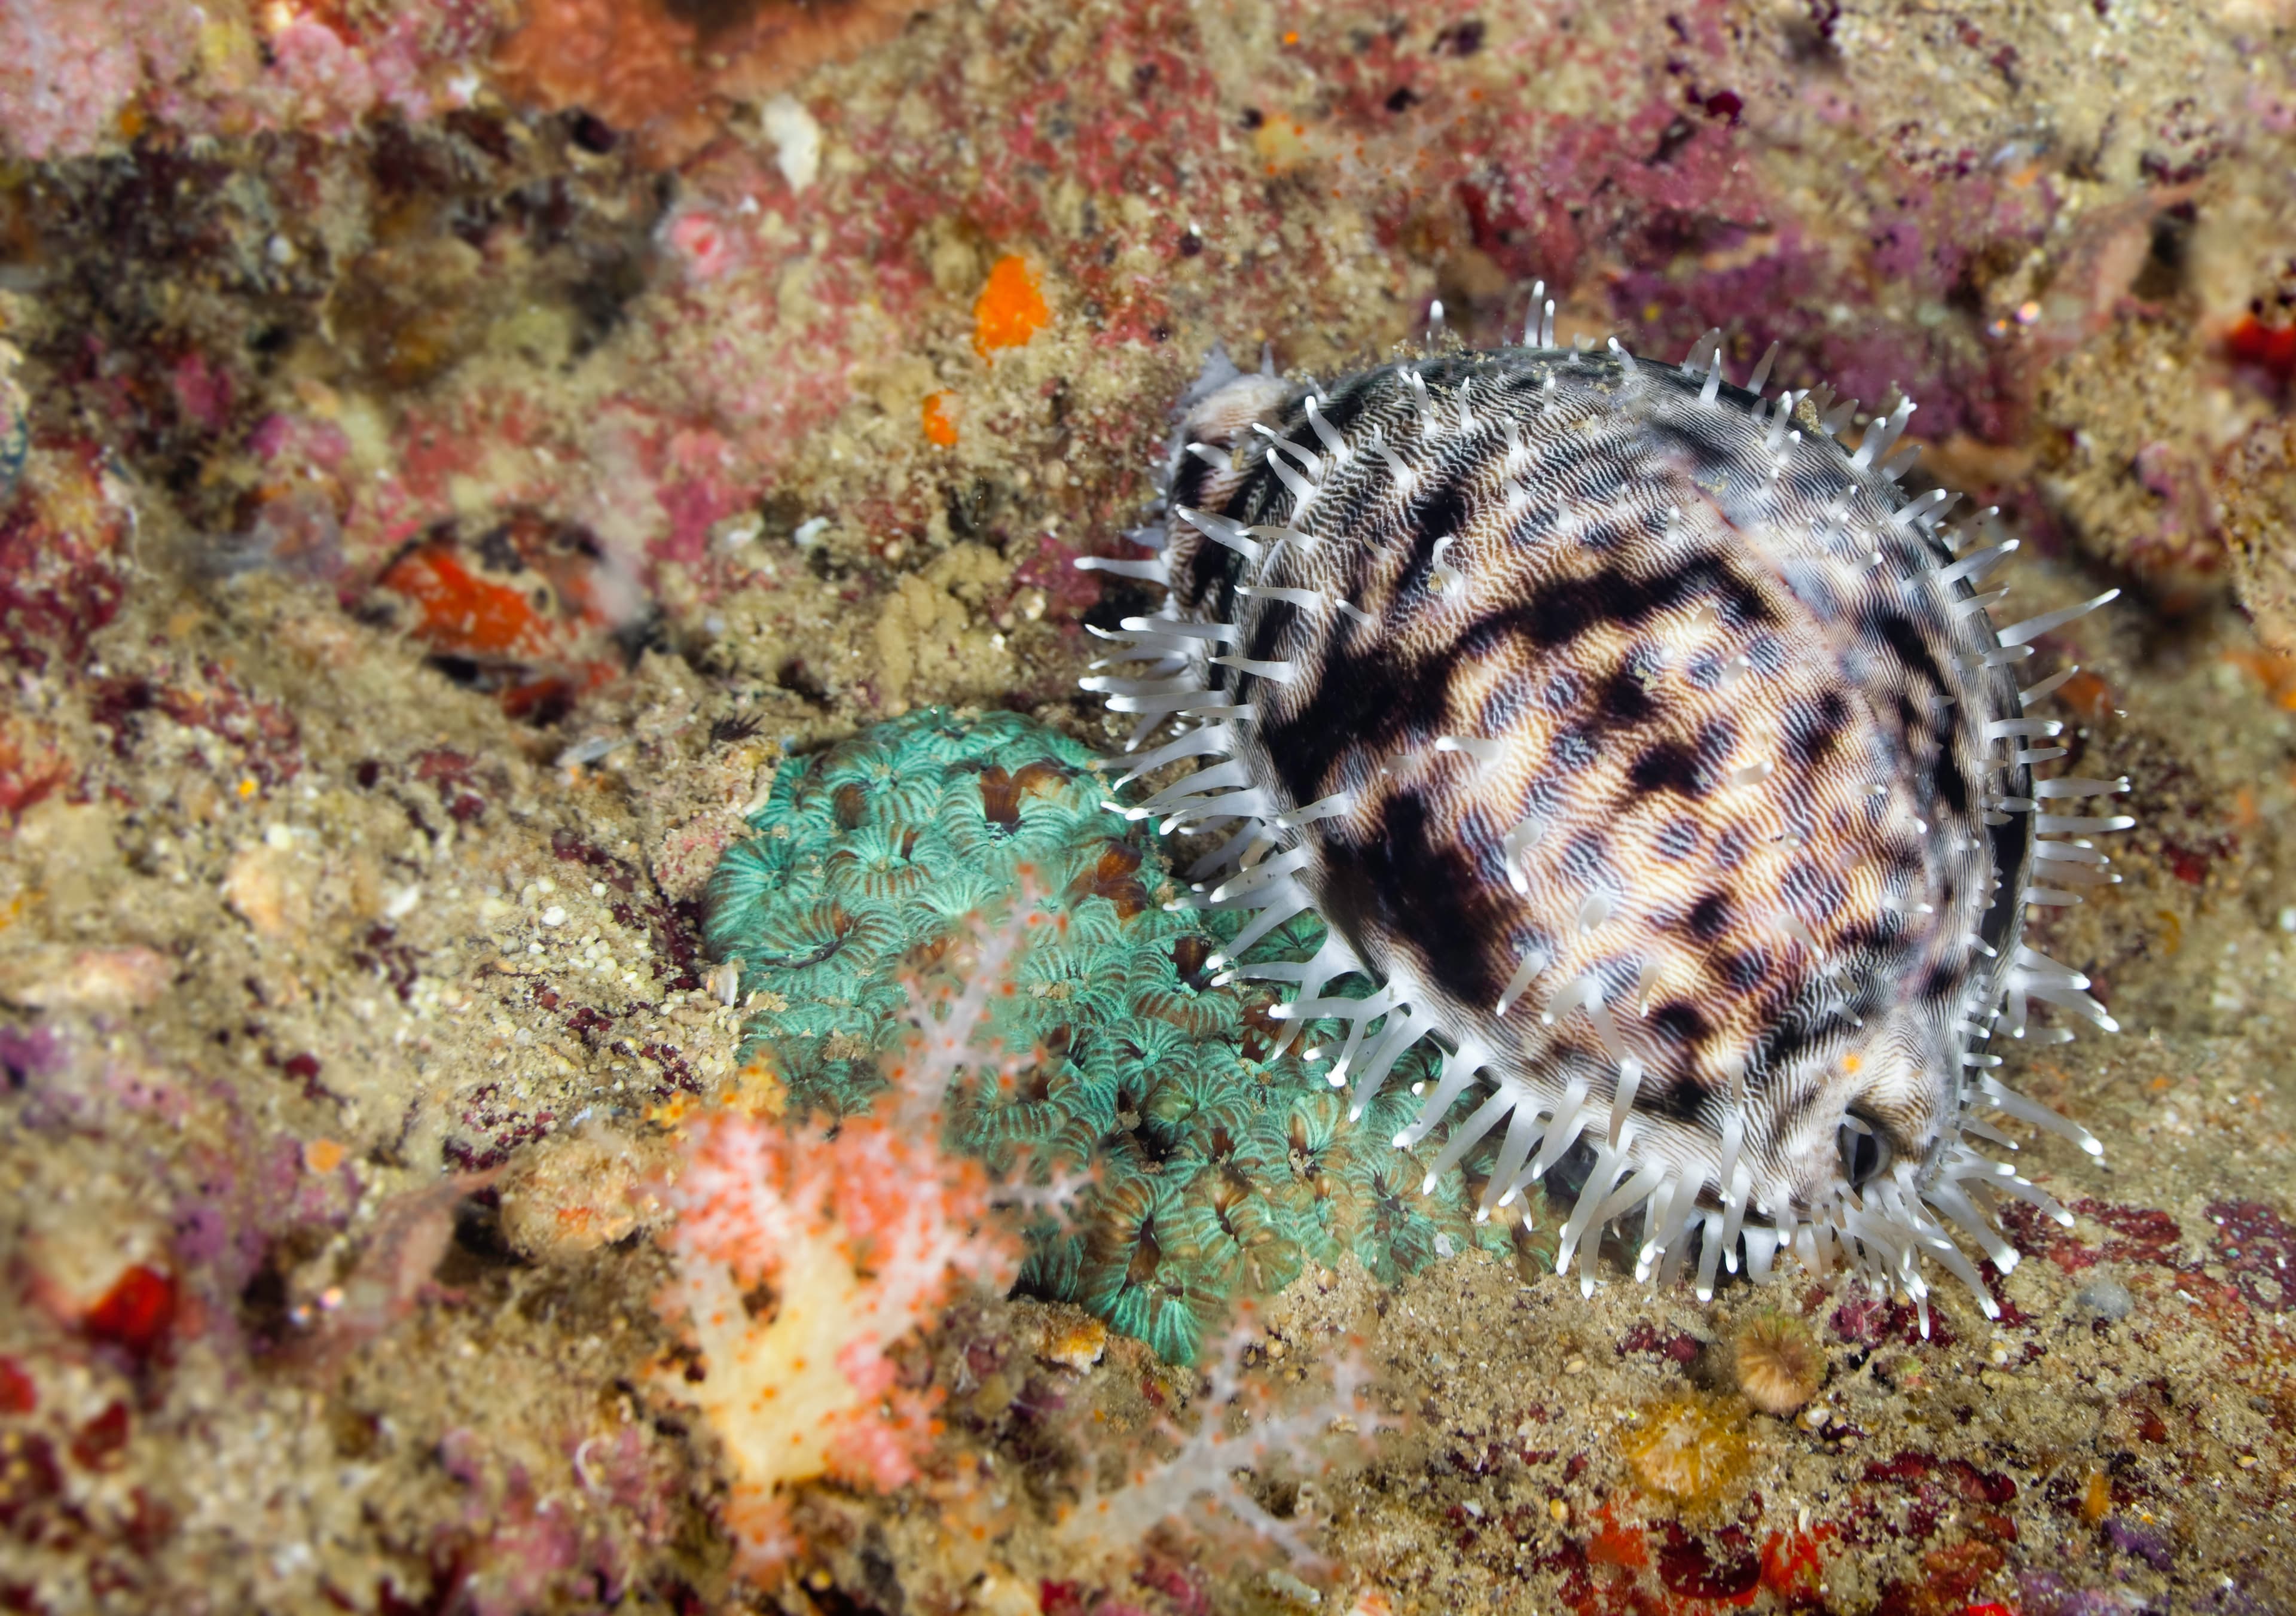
1777, 1361
1691, 1447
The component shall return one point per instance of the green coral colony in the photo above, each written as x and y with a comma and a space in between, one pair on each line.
1219, 1163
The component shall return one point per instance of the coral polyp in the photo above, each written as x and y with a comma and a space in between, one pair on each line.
1211, 1164
1690, 1447
1654, 759
1777, 1361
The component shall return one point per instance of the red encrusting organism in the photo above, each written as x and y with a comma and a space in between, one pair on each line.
527, 609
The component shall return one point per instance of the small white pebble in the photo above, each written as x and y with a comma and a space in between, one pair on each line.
597, 889
554, 917
278, 837
796, 137
1284, 1583
2288, 918
546, 886
1577, 1366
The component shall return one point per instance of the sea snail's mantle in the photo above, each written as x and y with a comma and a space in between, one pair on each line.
1648, 749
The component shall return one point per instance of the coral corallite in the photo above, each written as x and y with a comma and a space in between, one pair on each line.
801, 1257
1691, 1447
1777, 1361
1655, 760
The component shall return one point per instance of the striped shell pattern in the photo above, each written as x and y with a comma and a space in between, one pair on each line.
1648, 750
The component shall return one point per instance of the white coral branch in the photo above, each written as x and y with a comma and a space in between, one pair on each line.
1206, 1478
943, 1047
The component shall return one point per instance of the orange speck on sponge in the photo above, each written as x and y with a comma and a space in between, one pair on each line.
323, 1155
1282, 144
939, 416
1010, 309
